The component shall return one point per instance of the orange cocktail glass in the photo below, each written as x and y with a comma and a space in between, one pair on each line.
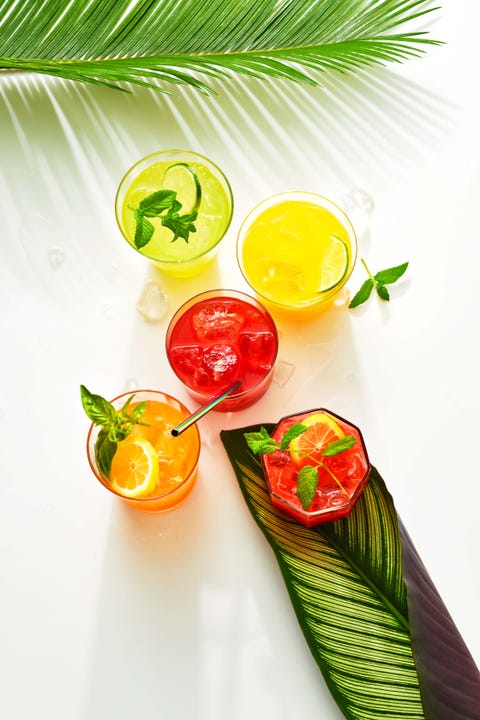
177, 457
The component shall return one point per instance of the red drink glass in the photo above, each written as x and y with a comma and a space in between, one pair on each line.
330, 502
217, 338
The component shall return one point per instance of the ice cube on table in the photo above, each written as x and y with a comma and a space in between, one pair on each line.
153, 302
283, 372
217, 322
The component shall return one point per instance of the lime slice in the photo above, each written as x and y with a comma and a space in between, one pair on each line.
182, 178
334, 264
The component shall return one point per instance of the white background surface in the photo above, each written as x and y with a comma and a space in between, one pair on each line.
108, 613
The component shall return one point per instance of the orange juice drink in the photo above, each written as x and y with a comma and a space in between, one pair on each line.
149, 468
297, 250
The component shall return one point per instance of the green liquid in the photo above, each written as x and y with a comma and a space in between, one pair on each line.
214, 214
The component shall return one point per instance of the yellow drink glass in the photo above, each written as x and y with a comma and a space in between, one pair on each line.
200, 185
297, 250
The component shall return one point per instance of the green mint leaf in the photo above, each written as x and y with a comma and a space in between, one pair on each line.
99, 410
291, 434
157, 202
105, 449
383, 292
138, 411
307, 481
119, 433
363, 294
261, 442
338, 446
180, 225
391, 275
126, 404
143, 231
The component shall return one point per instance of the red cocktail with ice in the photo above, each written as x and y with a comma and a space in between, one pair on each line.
219, 337
315, 465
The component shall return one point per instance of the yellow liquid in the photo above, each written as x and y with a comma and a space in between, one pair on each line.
214, 214
283, 250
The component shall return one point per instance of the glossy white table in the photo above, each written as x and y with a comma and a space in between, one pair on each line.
108, 613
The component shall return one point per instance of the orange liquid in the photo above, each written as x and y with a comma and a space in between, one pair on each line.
177, 456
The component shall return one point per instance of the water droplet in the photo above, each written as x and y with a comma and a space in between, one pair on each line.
283, 372
153, 302
56, 257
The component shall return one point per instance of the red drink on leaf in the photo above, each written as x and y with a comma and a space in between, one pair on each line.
315, 465
220, 337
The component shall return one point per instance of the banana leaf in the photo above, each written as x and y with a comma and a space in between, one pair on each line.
153, 42
370, 614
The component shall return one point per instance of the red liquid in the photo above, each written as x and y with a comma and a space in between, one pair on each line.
351, 467
218, 340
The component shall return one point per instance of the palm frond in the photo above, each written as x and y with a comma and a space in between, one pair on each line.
153, 42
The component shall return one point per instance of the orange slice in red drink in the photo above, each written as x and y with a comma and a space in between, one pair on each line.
321, 431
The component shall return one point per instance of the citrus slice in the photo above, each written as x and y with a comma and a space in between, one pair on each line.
322, 430
334, 264
134, 471
182, 178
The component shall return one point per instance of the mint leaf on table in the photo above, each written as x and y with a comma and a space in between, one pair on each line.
378, 281
363, 294
391, 275
383, 292
307, 481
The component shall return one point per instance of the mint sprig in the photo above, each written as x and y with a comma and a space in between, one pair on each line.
162, 201
379, 282
261, 443
116, 425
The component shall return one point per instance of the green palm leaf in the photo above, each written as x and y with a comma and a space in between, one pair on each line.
151, 42
347, 583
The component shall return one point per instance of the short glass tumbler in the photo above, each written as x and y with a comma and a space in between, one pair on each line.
221, 337
296, 250
199, 185
177, 457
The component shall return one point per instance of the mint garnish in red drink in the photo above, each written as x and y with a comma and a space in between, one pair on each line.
315, 465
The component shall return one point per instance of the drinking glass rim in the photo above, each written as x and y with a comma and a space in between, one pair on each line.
245, 297
150, 498
275, 199
149, 157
